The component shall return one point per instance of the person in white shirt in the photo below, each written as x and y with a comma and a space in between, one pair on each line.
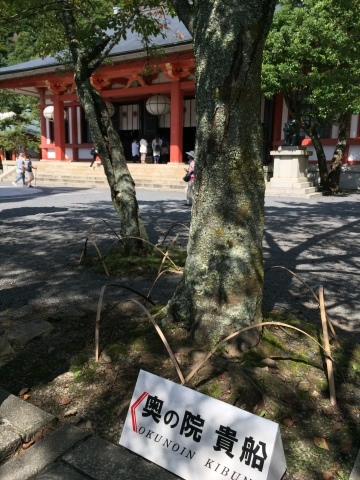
156, 147
20, 170
143, 150
135, 150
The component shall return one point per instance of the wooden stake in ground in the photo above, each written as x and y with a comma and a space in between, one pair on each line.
329, 363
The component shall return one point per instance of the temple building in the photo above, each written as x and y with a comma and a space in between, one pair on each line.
146, 96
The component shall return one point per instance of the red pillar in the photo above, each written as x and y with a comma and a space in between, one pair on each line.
44, 153
176, 123
59, 128
74, 132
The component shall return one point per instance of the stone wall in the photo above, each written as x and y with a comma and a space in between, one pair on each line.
349, 179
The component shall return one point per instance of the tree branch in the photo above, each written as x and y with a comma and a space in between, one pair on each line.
185, 11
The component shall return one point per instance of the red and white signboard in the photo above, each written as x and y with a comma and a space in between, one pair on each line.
198, 437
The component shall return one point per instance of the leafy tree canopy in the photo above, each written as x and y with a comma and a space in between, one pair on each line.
17, 44
313, 47
95, 26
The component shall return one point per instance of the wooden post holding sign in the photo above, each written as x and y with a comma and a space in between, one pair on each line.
198, 437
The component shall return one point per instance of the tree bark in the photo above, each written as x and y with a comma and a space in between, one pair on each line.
338, 155
104, 135
321, 158
108, 144
222, 287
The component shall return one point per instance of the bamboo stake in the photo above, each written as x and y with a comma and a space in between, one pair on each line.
163, 339
97, 322
329, 363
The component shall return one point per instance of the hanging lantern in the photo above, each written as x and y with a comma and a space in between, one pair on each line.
111, 108
158, 105
48, 113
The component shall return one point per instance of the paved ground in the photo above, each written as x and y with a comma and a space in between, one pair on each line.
42, 236
319, 240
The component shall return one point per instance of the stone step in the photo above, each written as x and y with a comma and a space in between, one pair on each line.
100, 184
288, 183
64, 451
42, 454
78, 174
102, 178
24, 418
308, 192
301, 185
148, 176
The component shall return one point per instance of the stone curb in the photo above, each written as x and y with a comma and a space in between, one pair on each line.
355, 474
41, 455
67, 453
101, 459
24, 418
61, 472
10, 441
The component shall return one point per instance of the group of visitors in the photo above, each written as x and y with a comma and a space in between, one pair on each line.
160, 150
24, 169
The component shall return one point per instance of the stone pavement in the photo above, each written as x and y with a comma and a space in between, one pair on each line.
355, 474
63, 451
60, 451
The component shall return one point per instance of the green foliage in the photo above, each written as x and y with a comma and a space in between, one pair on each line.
57, 28
23, 48
115, 350
313, 47
83, 368
212, 389
19, 130
118, 263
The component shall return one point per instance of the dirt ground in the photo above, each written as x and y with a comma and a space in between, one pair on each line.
282, 379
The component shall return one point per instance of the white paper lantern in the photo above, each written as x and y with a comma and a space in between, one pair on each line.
158, 105
48, 113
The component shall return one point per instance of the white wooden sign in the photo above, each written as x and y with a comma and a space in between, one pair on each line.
198, 437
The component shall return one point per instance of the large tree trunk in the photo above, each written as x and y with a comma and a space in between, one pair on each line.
104, 135
338, 155
111, 152
222, 287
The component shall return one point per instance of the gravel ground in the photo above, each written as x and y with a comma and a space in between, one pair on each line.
319, 240
42, 237
43, 233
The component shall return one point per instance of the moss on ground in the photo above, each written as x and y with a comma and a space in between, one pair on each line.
118, 263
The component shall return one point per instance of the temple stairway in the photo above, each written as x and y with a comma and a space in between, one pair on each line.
79, 174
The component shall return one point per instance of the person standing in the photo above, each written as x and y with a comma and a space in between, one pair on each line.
156, 147
143, 149
191, 170
20, 170
135, 150
29, 176
164, 150
94, 154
